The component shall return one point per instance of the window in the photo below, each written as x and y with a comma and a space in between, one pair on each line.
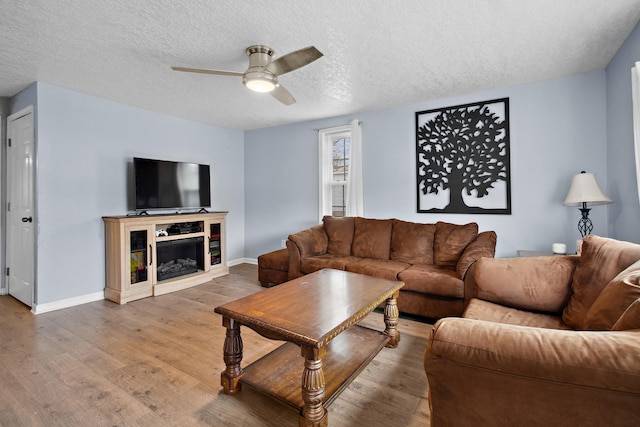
337, 171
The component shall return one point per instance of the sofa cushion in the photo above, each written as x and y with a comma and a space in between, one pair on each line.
275, 260
491, 312
371, 238
601, 260
450, 241
315, 263
377, 268
630, 319
614, 299
340, 234
540, 284
432, 280
412, 242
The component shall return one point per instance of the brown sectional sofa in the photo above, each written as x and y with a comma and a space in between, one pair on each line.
431, 259
546, 341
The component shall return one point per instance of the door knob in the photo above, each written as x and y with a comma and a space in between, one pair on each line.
25, 219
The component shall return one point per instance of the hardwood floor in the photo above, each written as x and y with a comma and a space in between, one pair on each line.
157, 362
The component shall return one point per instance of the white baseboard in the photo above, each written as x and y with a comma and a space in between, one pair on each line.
242, 261
66, 303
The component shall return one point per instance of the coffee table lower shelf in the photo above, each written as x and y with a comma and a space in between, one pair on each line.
278, 374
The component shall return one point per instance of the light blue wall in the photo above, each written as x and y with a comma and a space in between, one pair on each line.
84, 146
4, 107
624, 214
23, 99
557, 129
281, 183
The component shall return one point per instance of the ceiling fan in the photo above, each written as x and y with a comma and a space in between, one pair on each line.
262, 74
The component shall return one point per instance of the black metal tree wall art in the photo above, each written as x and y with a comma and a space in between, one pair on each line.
462, 155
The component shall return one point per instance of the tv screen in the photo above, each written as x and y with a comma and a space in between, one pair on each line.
161, 184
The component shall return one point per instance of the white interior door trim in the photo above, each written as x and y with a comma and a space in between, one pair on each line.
20, 252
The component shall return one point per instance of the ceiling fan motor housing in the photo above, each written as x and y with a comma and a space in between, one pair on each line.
260, 49
257, 77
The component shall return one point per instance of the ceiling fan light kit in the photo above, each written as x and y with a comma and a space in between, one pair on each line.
259, 81
262, 74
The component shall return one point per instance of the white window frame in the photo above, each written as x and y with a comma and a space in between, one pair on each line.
325, 144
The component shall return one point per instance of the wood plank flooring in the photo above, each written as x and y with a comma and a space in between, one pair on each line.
157, 362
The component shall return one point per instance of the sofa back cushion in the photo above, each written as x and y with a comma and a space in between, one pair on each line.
339, 231
412, 242
450, 241
614, 300
601, 260
540, 284
371, 238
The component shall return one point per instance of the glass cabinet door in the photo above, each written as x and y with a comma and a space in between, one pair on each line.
215, 242
139, 253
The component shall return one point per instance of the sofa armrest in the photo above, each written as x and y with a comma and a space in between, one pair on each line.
294, 261
540, 284
309, 242
485, 373
484, 245
470, 287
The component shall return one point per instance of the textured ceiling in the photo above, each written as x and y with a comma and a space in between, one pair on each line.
378, 53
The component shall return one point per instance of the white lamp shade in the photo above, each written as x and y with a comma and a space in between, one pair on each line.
585, 189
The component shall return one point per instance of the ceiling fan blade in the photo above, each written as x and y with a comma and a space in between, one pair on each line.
203, 71
283, 95
294, 60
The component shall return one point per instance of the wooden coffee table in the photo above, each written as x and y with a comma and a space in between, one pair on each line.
325, 350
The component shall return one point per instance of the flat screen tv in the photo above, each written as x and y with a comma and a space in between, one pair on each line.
162, 184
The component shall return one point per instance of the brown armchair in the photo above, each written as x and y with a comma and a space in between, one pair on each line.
546, 341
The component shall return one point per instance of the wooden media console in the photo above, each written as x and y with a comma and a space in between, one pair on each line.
150, 255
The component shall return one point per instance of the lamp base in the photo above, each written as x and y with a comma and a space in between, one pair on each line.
585, 226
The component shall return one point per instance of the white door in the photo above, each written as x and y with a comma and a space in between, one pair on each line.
20, 214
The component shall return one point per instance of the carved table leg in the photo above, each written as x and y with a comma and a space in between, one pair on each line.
313, 413
391, 320
230, 377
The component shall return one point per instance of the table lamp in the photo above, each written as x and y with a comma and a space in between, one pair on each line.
584, 192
